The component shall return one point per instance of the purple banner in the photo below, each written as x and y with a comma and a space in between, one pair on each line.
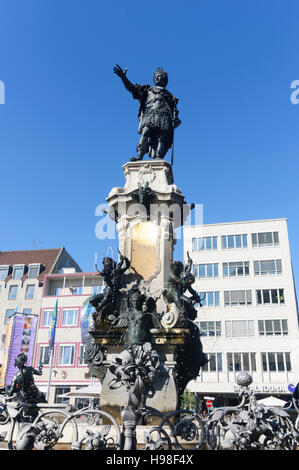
22, 340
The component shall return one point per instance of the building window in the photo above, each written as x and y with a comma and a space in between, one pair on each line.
96, 290
270, 296
13, 292
210, 328
210, 299
214, 363
8, 313
194, 244
17, 272
44, 355
267, 267
82, 360
27, 311
273, 327
3, 339
264, 239
47, 318
236, 268
206, 270
66, 355
239, 328
237, 298
29, 291
276, 361
237, 362
76, 290
81, 402
3, 272
33, 271
233, 241
70, 318
59, 392
56, 291
204, 243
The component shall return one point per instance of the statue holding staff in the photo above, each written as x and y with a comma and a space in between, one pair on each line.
158, 114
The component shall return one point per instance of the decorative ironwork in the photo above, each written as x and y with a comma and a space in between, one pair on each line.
249, 425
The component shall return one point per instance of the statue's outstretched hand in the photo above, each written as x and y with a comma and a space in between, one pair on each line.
119, 71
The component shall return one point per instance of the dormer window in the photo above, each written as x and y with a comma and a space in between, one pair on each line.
18, 271
33, 270
3, 272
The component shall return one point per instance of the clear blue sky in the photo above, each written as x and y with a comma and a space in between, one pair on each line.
68, 125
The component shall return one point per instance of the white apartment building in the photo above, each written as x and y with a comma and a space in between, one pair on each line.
249, 316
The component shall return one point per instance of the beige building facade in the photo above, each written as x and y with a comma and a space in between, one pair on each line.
22, 276
72, 291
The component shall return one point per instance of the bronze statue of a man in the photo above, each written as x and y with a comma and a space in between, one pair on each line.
106, 302
23, 381
180, 281
139, 322
158, 114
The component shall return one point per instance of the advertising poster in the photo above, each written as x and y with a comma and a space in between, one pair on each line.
20, 339
86, 320
6, 352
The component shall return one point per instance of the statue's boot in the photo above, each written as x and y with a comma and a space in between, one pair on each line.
142, 147
161, 150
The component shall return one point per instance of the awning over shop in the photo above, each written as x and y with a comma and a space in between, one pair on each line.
92, 391
271, 401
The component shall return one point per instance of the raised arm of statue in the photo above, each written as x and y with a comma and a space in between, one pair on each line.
188, 266
38, 371
123, 264
122, 74
126, 264
195, 295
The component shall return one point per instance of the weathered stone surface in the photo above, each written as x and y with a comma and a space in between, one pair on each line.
146, 228
165, 342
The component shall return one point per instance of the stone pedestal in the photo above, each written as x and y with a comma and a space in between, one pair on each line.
148, 209
165, 343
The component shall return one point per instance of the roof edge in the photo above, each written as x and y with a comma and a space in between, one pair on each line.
236, 222
56, 260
